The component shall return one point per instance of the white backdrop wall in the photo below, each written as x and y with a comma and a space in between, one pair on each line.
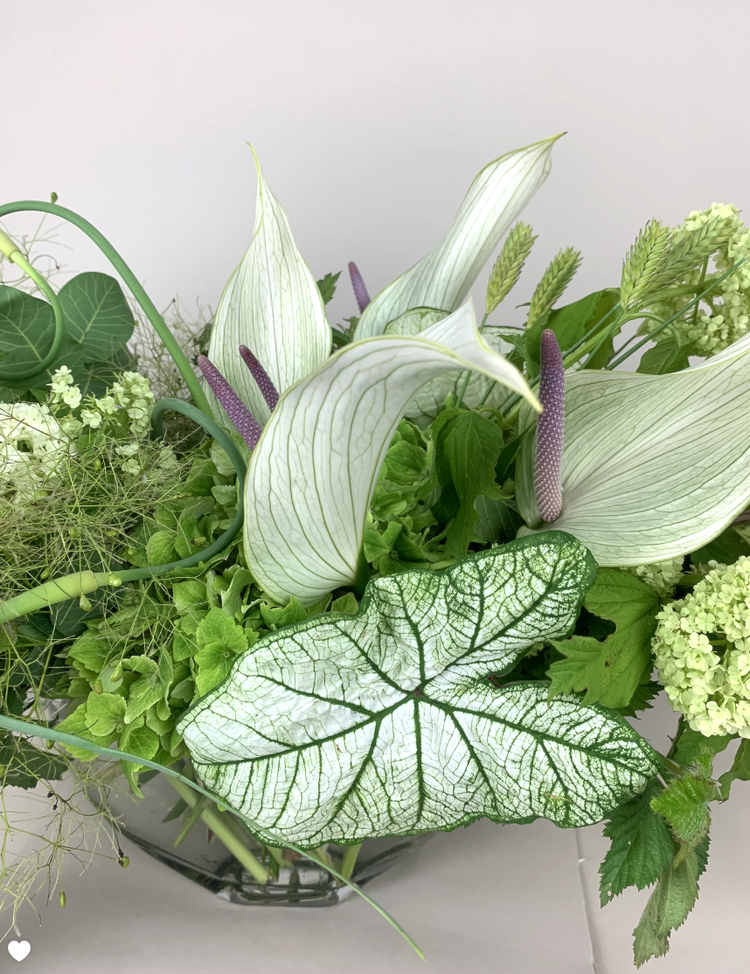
370, 121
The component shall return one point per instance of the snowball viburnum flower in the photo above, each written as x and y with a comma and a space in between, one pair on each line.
702, 650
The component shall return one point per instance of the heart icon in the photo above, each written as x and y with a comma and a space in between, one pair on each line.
19, 949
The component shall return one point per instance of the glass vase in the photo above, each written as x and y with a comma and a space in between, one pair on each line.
215, 850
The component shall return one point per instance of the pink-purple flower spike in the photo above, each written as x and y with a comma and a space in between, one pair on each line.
244, 421
360, 291
262, 379
550, 429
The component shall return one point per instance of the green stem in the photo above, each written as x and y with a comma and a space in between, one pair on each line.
192, 818
20, 261
83, 583
132, 282
350, 860
213, 818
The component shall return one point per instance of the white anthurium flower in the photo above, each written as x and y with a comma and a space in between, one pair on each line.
313, 471
429, 400
443, 278
653, 466
272, 305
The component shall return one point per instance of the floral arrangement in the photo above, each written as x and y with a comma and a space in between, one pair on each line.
410, 571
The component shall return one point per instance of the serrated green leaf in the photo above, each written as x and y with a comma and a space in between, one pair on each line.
684, 804
160, 548
396, 729
467, 447
97, 315
327, 286
444, 277
23, 766
667, 909
691, 745
610, 671
139, 740
641, 846
277, 617
189, 595
105, 714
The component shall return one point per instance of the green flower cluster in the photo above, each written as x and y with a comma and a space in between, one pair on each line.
663, 576
725, 317
32, 444
702, 651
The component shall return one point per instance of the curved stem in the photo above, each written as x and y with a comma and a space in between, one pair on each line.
132, 282
20, 261
83, 583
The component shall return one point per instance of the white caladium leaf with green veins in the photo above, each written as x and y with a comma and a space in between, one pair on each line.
396, 728
312, 474
429, 400
654, 466
271, 304
444, 277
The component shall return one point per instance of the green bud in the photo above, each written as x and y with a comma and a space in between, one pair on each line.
98, 687
84, 604
116, 673
74, 533
508, 265
115, 580
63, 899
644, 259
124, 861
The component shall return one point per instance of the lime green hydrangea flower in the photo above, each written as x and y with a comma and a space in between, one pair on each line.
727, 317
662, 576
702, 650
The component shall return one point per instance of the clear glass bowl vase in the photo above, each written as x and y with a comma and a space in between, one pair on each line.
160, 824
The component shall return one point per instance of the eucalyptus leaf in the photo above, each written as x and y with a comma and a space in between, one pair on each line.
97, 315
273, 305
304, 521
444, 277
384, 723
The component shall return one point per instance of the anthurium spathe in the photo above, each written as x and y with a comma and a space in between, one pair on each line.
312, 474
272, 305
444, 277
653, 466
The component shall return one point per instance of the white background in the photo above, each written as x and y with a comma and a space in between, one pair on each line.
370, 121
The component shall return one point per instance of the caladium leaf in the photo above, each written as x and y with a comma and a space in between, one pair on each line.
383, 723
654, 466
272, 305
444, 277
312, 474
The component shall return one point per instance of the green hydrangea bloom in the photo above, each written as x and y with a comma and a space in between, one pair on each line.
662, 576
702, 650
32, 443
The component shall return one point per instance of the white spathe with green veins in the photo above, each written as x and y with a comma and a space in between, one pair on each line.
444, 277
654, 466
312, 474
396, 729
